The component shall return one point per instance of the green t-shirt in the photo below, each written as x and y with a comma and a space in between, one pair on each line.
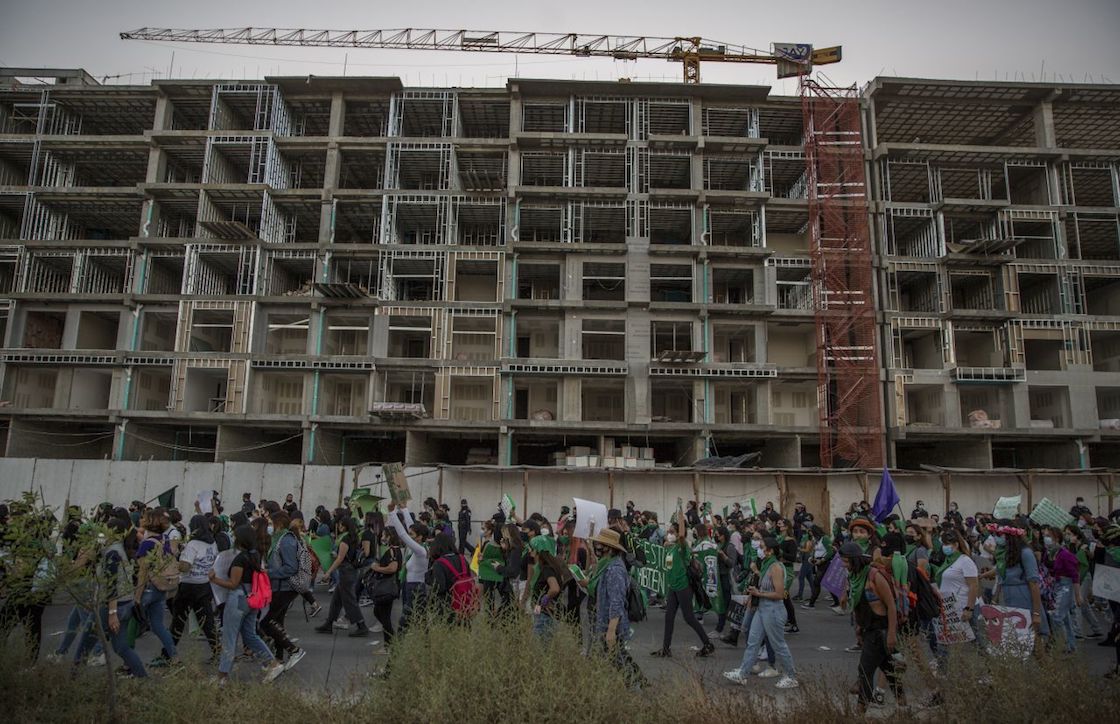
676, 566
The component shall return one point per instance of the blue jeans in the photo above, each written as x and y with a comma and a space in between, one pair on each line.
804, 573
238, 618
408, 595
118, 640
1064, 611
748, 617
543, 625
768, 623
152, 604
76, 624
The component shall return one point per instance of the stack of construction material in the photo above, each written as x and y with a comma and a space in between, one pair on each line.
623, 456
979, 418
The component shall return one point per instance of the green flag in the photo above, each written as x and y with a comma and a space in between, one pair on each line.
363, 503
321, 547
491, 554
707, 552
166, 499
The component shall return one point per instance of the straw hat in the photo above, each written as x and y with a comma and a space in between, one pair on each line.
609, 537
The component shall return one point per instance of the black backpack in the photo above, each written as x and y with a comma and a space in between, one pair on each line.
928, 605
635, 603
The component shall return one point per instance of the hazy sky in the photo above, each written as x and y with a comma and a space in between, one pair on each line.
985, 39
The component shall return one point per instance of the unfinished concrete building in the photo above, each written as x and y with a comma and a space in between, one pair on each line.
341, 270
1000, 291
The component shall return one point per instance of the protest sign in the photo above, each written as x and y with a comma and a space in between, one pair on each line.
205, 502
951, 628
491, 554
591, 517
1007, 507
397, 482
1106, 583
507, 505
1046, 513
707, 553
835, 579
1008, 630
651, 575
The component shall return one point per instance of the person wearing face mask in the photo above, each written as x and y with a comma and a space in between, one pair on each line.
871, 600
954, 515
919, 511
1079, 545
1067, 583
956, 580
385, 589
768, 622
612, 621
416, 560
346, 563
1017, 574
283, 563
678, 592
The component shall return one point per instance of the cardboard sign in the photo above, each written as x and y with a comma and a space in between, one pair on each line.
1008, 630
591, 517
1046, 513
1007, 507
951, 628
397, 482
1106, 583
835, 579
221, 568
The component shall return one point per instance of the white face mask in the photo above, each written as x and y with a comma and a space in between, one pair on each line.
757, 545
671, 538
270, 530
546, 531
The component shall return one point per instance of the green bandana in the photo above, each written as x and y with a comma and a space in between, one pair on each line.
949, 560
764, 568
910, 549
856, 583
1001, 560
593, 579
863, 543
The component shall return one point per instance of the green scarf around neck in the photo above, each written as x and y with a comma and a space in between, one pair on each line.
593, 579
764, 568
1001, 560
863, 543
949, 560
856, 583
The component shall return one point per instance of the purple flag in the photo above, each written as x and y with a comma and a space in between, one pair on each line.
835, 578
885, 499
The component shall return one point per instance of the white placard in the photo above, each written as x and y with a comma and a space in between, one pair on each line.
591, 517
1007, 507
206, 502
1106, 583
222, 565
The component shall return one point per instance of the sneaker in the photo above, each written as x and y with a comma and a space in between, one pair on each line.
788, 682
98, 660
376, 628
768, 673
729, 640
734, 676
715, 634
661, 654
792, 629
359, 633
854, 649
837, 610
331, 588
273, 671
365, 602
158, 662
324, 629
294, 658
808, 605
342, 623
315, 610
758, 668
708, 649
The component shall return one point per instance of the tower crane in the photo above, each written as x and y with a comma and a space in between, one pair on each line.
791, 59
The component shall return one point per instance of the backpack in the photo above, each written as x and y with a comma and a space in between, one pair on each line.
635, 602
898, 594
924, 599
260, 595
304, 575
166, 579
464, 594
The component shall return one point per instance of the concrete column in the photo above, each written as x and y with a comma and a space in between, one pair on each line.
763, 403
1044, 134
1020, 412
1083, 401
164, 114
951, 403
571, 399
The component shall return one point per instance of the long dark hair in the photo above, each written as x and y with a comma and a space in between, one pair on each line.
245, 538
442, 545
200, 530
351, 529
1015, 544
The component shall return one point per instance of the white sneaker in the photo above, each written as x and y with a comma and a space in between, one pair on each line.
734, 676
294, 659
376, 628
341, 623
788, 682
837, 610
98, 660
757, 668
273, 671
768, 673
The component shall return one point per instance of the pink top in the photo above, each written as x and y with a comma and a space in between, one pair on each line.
1065, 566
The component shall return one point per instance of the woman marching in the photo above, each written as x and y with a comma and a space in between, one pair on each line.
769, 620
871, 599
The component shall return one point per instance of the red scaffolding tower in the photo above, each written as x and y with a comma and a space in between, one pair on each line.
851, 421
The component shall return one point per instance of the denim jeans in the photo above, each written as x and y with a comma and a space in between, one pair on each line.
768, 623
152, 605
408, 595
76, 624
543, 625
748, 617
1087, 608
238, 618
1064, 611
118, 640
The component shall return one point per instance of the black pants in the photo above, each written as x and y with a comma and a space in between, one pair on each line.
383, 612
492, 598
465, 548
621, 659
681, 599
725, 594
816, 585
197, 597
344, 597
791, 612
30, 615
875, 655
272, 625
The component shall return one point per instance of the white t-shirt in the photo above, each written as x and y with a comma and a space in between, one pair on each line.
953, 582
201, 557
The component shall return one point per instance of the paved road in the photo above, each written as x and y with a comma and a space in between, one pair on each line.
333, 661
